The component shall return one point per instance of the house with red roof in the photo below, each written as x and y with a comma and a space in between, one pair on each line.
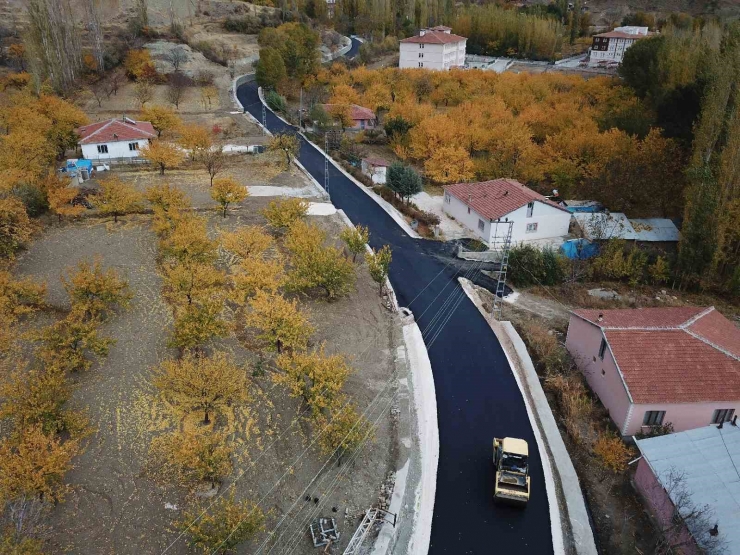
362, 118
609, 48
114, 138
375, 169
436, 48
483, 206
654, 366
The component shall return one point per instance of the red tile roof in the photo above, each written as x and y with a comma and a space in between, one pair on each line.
115, 130
497, 198
357, 113
435, 37
673, 355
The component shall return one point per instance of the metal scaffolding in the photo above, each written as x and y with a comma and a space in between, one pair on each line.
371, 517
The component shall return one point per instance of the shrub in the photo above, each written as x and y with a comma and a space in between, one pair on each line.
546, 348
616, 263
211, 52
612, 453
533, 266
410, 210
275, 101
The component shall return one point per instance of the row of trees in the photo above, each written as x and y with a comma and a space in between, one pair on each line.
45, 434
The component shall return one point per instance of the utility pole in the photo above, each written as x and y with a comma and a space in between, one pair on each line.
300, 112
326, 165
264, 120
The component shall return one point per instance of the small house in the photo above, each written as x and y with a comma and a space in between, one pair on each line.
655, 233
360, 117
654, 366
114, 138
375, 169
482, 206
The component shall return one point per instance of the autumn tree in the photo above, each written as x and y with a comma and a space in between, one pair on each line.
612, 452
60, 197
117, 198
286, 143
226, 191
314, 376
18, 297
168, 204
449, 164
185, 284
136, 62
35, 464
95, 291
196, 324
378, 264
247, 242
188, 242
143, 92
192, 457
283, 213
257, 274
316, 265
280, 324
206, 385
68, 344
176, 88
344, 430
218, 527
15, 226
162, 118
162, 155
196, 139
214, 161
355, 238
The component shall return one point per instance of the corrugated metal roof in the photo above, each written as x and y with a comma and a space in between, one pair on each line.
615, 225
708, 458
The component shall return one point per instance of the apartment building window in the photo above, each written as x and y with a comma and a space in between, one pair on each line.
102, 149
530, 209
722, 415
653, 418
602, 348
421, 46
531, 228
133, 146
421, 54
481, 225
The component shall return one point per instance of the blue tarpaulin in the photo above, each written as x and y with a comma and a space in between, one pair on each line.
579, 249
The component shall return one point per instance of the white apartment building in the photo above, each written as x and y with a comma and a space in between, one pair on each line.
435, 48
609, 48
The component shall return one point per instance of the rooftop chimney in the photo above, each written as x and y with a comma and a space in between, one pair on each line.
601, 317
734, 420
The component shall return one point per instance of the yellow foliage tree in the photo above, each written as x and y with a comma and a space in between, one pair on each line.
117, 198
185, 284
196, 324
162, 155
15, 226
60, 197
35, 464
168, 204
195, 138
283, 213
94, 291
286, 143
247, 242
162, 118
226, 191
612, 452
378, 264
208, 385
344, 430
192, 457
314, 376
355, 238
67, 344
280, 323
255, 274
188, 242
449, 165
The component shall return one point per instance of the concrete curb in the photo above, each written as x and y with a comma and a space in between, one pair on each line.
339, 53
571, 529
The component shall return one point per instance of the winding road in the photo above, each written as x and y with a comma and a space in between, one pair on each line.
477, 395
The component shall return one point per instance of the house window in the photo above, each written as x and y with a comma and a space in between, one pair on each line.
481, 225
722, 415
653, 418
421, 54
102, 149
133, 147
530, 209
531, 228
602, 348
421, 46
421, 64
468, 209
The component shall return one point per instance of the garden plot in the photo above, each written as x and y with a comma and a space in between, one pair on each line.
115, 505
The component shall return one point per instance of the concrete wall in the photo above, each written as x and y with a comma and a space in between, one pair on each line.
118, 149
686, 416
583, 342
662, 509
550, 221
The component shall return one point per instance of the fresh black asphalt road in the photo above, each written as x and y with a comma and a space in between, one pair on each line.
352, 52
477, 395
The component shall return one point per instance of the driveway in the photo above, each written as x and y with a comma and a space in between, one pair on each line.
477, 395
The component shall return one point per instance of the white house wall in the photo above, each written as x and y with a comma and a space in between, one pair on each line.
431, 56
551, 222
118, 149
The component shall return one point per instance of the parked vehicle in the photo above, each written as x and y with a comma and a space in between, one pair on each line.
510, 459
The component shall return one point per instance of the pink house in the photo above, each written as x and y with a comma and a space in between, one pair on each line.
362, 118
654, 366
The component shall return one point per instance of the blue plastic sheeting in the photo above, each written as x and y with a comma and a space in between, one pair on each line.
579, 249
